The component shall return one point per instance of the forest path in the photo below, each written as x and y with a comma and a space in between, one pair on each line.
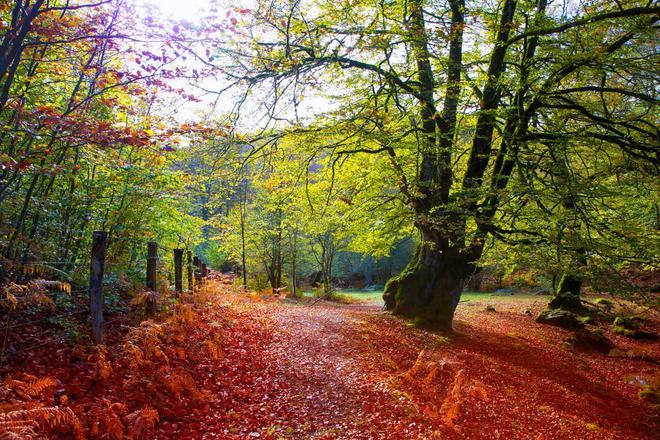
314, 346
291, 369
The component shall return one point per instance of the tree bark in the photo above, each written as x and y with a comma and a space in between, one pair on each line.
429, 288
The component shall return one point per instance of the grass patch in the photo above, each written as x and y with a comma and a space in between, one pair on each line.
376, 296
352, 295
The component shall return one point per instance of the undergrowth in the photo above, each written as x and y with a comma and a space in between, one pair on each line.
151, 363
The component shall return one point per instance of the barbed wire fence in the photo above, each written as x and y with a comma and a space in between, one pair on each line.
97, 266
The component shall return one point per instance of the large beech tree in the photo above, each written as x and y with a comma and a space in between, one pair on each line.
453, 94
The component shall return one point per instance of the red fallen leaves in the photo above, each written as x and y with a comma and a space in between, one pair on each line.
235, 366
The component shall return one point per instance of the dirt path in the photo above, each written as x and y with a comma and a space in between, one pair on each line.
331, 388
333, 371
307, 380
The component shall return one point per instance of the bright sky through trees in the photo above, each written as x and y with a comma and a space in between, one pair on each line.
177, 9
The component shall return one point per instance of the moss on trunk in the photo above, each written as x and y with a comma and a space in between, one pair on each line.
429, 288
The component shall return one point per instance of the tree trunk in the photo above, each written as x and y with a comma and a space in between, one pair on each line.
429, 288
569, 284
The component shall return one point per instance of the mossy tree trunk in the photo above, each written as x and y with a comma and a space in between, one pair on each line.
569, 284
429, 288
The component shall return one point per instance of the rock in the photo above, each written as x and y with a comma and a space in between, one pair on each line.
633, 333
566, 301
650, 394
490, 308
587, 319
591, 341
605, 303
630, 328
559, 318
620, 321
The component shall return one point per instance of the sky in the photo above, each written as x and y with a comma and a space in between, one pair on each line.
178, 9
211, 105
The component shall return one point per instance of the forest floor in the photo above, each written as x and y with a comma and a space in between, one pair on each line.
245, 366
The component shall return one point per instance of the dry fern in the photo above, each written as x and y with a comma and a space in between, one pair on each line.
34, 293
213, 346
36, 269
100, 363
30, 387
24, 423
149, 300
143, 344
141, 421
42, 285
11, 294
179, 383
108, 422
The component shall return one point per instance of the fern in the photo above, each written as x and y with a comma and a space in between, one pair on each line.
31, 386
141, 421
100, 363
43, 285
34, 293
213, 349
148, 300
108, 422
179, 382
24, 423
450, 408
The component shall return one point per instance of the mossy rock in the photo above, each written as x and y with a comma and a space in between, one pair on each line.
620, 321
630, 328
604, 302
566, 301
650, 394
559, 318
633, 333
617, 353
587, 319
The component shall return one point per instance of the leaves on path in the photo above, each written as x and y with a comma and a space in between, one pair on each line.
229, 365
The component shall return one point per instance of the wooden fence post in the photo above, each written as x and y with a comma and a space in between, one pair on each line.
198, 271
178, 271
189, 267
96, 267
152, 265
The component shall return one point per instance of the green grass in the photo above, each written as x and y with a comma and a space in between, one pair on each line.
377, 296
490, 297
360, 295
